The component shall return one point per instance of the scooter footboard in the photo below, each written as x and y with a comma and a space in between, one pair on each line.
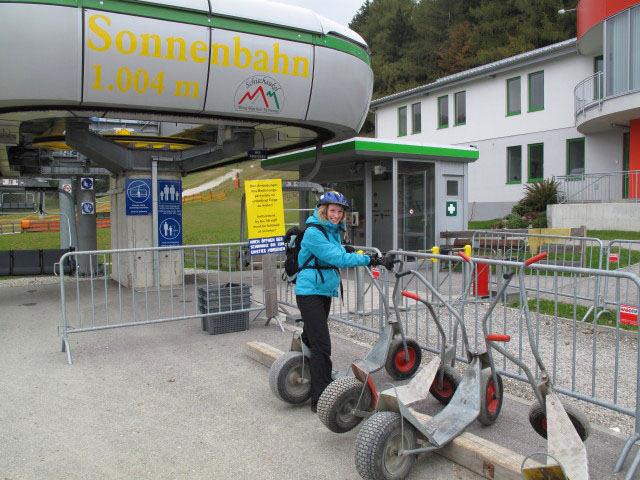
415, 391
563, 442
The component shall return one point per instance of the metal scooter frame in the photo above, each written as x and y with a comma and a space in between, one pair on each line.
563, 442
465, 406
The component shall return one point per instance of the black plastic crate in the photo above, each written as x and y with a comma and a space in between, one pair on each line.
226, 323
225, 303
224, 290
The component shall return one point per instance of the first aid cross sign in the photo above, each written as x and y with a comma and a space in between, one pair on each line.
452, 209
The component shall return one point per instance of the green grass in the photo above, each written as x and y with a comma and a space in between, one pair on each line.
570, 311
203, 222
613, 235
482, 224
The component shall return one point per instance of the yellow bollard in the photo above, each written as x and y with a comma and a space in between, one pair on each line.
435, 251
467, 250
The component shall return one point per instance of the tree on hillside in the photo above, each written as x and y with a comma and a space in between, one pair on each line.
504, 28
414, 42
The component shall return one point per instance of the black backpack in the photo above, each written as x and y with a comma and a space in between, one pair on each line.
293, 242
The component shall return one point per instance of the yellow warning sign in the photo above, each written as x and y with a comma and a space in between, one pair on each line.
265, 216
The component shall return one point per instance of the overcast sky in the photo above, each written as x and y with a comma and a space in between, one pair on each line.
341, 11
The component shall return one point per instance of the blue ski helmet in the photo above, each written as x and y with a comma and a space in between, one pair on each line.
335, 198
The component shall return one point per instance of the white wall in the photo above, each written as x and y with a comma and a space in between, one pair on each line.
596, 216
490, 129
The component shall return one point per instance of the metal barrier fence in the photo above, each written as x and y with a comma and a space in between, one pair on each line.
588, 361
141, 286
604, 187
360, 305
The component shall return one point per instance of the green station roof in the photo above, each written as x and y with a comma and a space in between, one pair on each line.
361, 148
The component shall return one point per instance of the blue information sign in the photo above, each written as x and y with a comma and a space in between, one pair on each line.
138, 196
262, 246
86, 184
170, 213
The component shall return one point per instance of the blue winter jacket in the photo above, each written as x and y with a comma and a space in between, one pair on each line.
328, 252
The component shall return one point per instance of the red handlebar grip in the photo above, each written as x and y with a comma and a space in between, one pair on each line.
536, 258
466, 259
410, 295
498, 338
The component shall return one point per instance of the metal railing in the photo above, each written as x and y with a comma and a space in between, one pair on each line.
588, 92
360, 305
142, 286
608, 187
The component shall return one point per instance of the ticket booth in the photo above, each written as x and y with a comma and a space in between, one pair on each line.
402, 194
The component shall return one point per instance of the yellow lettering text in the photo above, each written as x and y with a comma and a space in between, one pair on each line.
157, 46
93, 26
133, 42
262, 61
297, 61
171, 42
190, 89
236, 54
215, 48
197, 47
277, 56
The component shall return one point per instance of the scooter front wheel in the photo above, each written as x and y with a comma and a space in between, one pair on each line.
339, 399
538, 420
397, 365
290, 378
377, 445
450, 382
491, 398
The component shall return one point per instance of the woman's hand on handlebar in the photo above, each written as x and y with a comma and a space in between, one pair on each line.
387, 261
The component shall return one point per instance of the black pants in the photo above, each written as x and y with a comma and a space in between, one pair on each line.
315, 311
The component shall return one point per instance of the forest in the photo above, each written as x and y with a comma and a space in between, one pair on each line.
414, 42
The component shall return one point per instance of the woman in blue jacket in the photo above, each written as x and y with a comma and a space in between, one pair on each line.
321, 255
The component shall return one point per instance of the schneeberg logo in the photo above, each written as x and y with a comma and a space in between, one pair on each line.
260, 94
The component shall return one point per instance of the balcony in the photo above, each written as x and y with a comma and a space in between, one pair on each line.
598, 109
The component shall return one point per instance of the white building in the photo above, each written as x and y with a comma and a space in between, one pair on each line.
550, 112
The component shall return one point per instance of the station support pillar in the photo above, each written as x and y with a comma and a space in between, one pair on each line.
144, 269
87, 234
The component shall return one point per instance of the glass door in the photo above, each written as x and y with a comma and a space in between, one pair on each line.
416, 210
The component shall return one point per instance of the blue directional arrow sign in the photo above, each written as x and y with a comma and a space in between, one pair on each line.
86, 184
88, 208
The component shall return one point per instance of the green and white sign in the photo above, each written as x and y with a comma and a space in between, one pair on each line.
452, 209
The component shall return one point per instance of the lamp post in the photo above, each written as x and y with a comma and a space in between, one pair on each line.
562, 11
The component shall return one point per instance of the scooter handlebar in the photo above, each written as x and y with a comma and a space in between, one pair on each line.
410, 295
403, 274
535, 259
464, 257
498, 338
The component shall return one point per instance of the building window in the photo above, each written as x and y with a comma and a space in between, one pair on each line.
536, 161
598, 85
536, 91
513, 96
402, 121
443, 112
416, 118
514, 164
452, 188
575, 156
461, 108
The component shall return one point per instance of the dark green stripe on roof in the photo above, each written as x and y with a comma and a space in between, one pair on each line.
202, 18
396, 148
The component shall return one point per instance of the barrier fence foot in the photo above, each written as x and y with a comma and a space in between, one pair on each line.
623, 456
277, 321
65, 348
